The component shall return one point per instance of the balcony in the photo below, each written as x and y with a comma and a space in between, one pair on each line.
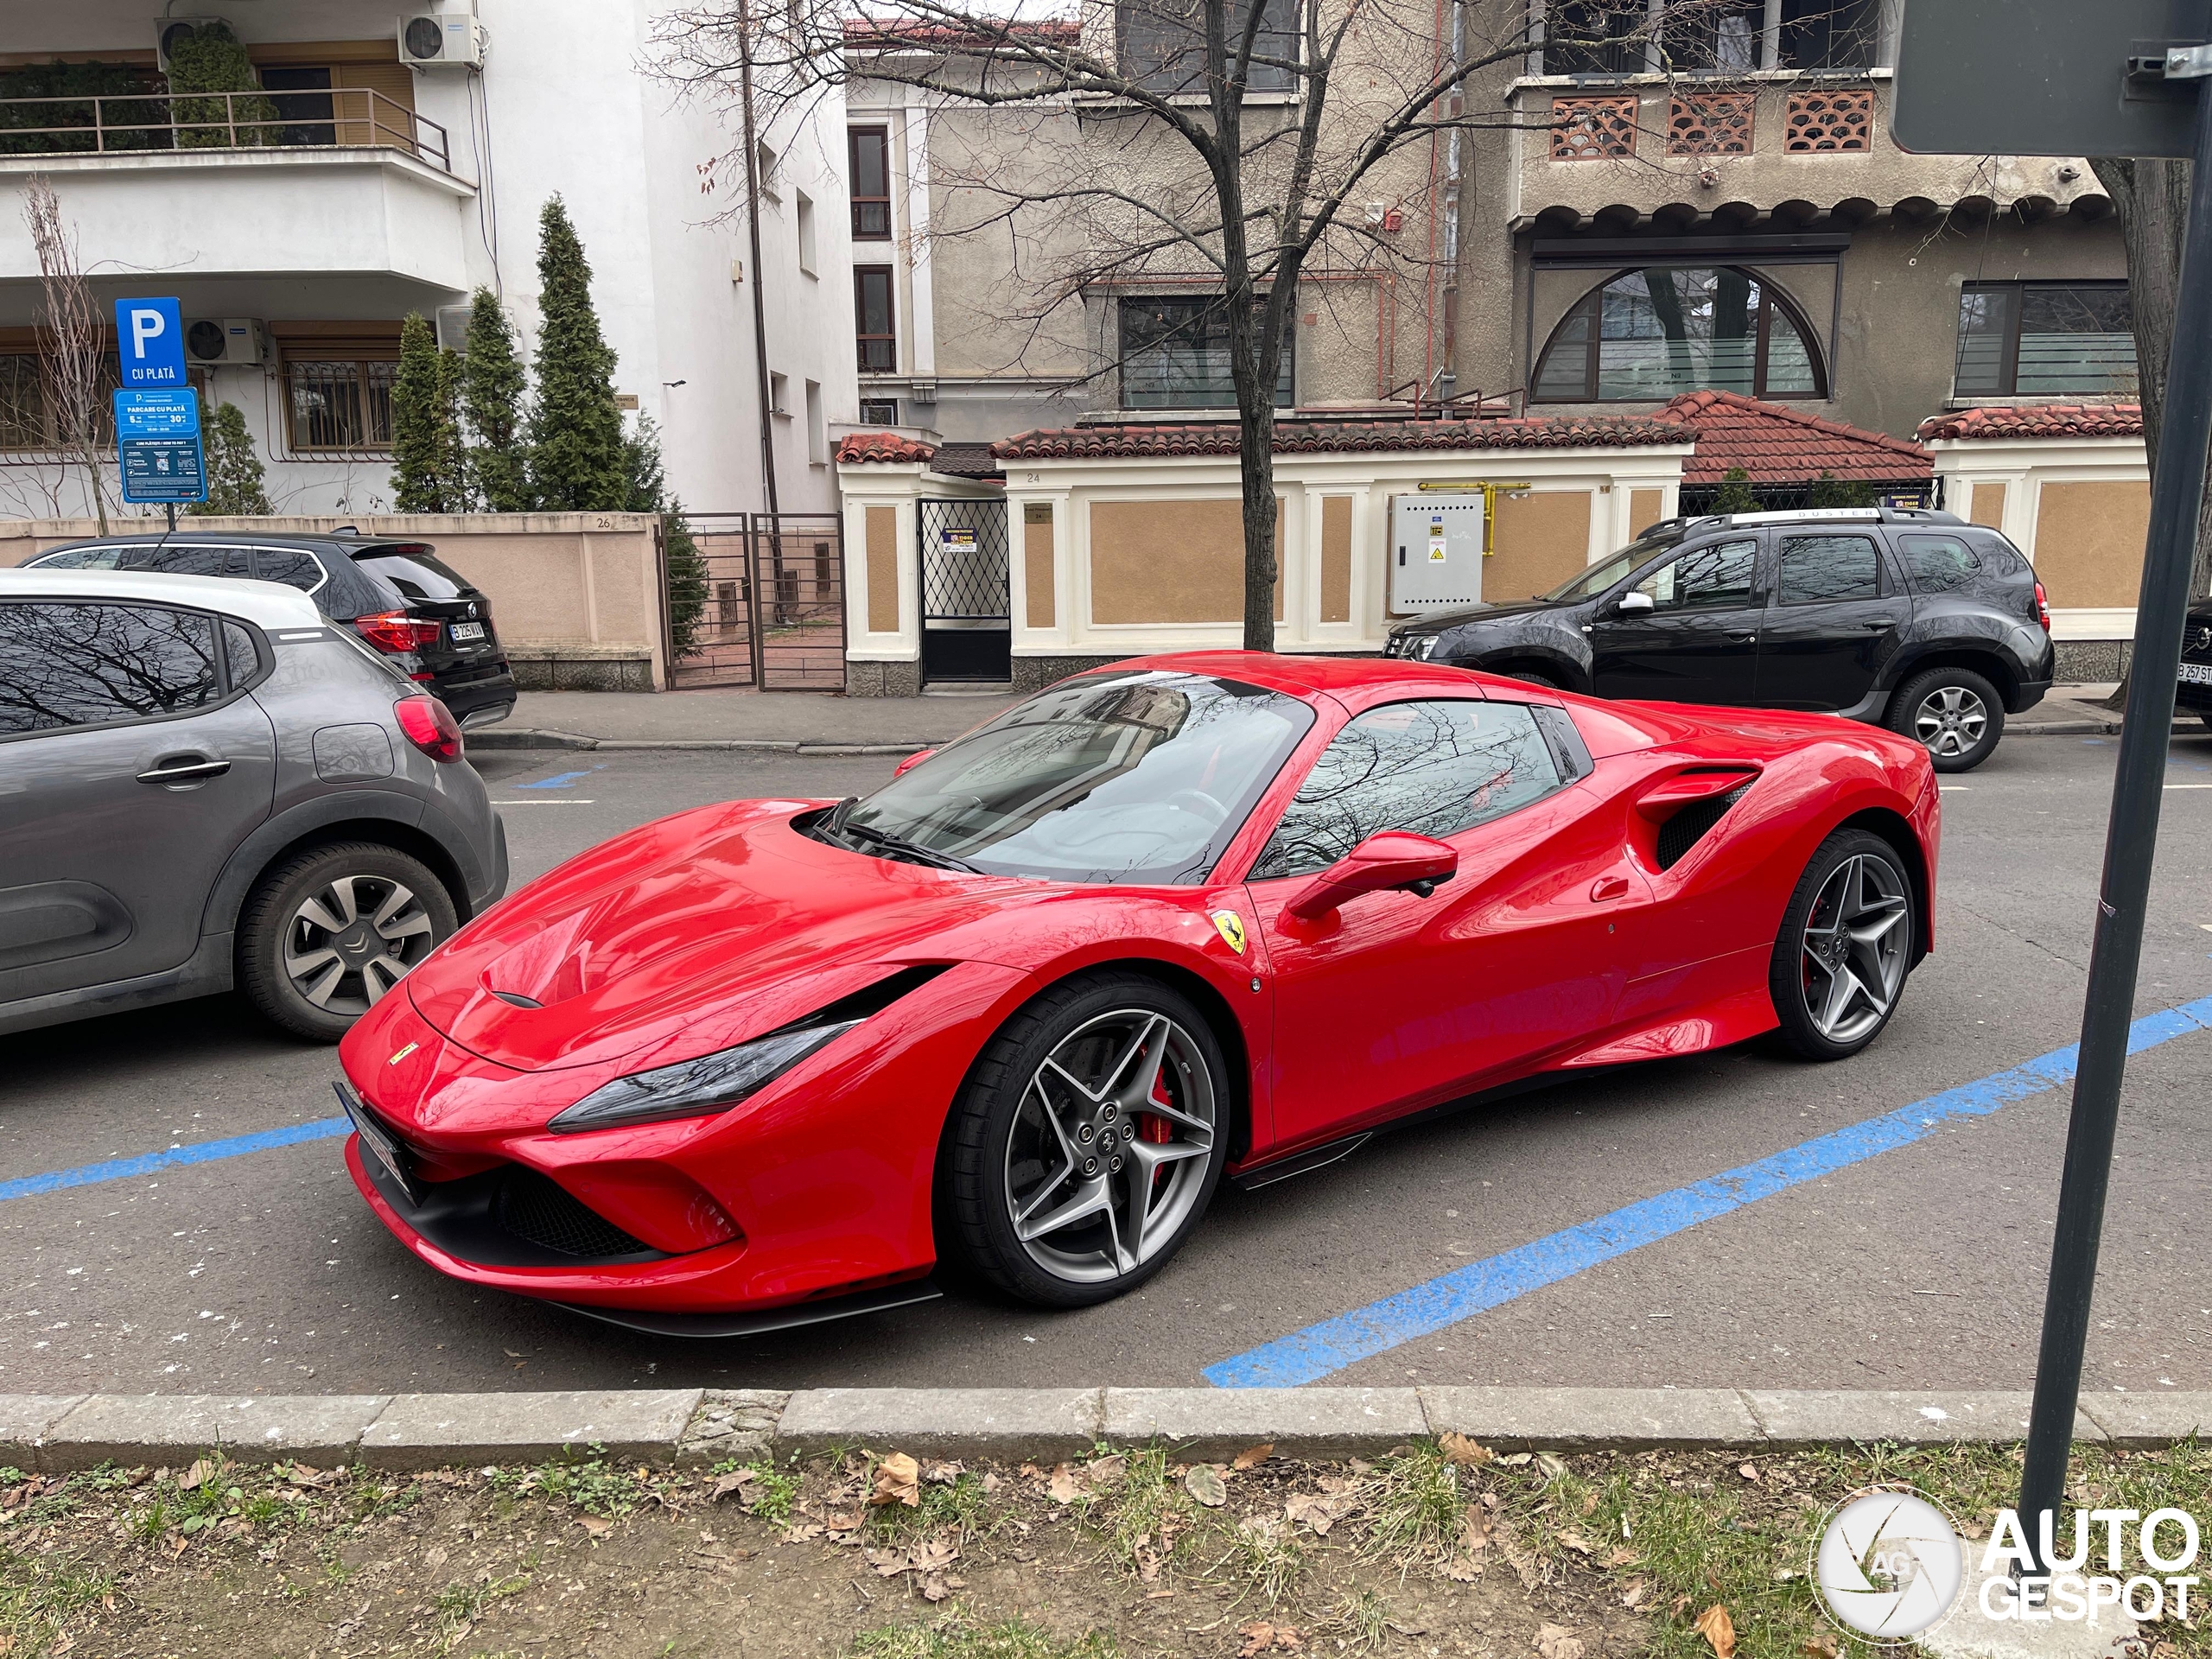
1764, 150
219, 183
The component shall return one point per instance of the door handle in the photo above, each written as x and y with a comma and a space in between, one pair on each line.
181, 771
1743, 638
1607, 886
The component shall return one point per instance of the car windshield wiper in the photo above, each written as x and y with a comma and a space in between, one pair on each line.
906, 848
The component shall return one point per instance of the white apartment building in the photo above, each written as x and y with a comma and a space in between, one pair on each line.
388, 187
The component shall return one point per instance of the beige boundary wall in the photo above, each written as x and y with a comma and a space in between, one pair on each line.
577, 597
1119, 556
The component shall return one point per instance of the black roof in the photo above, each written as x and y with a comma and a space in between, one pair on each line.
344, 541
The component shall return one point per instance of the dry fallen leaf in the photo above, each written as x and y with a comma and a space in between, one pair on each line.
597, 1526
1253, 1456
898, 1480
1823, 1646
1552, 1464
1557, 1642
1633, 1597
1621, 1555
1576, 1541
176, 1543
1474, 1529
734, 1482
1749, 1471
1065, 1486
1460, 1570
1463, 1450
1204, 1483
1318, 1512
1716, 1627
1260, 1637
198, 1476
943, 1474
1102, 1472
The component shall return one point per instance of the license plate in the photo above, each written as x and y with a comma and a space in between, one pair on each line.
380, 1144
467, 630
2196, 673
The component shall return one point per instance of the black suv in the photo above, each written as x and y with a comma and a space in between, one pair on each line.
2194, 694
395, 594
1902, 616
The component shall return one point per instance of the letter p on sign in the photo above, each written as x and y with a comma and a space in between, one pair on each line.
149, 340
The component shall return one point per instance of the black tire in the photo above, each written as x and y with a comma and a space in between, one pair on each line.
1794, 972
1955, 714
986, 1167
1532, 677
273, 923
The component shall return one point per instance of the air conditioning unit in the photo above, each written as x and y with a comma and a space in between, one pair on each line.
232, 339
170, 28
442, 40
453, 327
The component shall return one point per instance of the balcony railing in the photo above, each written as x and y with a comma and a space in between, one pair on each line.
134, 123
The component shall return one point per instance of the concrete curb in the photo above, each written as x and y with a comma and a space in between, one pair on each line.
524, 738
56, 1432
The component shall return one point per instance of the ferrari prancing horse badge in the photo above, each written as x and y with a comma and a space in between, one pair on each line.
1231, 926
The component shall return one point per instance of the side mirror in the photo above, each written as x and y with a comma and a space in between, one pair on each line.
1391, 859
914, 760
1633, 603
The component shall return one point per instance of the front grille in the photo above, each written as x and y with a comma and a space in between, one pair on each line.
1687, 827
535, 1207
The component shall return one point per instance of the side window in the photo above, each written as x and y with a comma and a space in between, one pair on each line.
1822, 569
83, 559
1435, 768
1705, 578
1999, 556
190, 561
242, 653
85, 664
1940, 564
293, 566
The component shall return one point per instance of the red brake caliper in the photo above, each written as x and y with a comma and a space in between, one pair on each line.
1151, 1127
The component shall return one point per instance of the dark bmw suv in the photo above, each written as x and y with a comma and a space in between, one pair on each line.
1900, 617
396, 595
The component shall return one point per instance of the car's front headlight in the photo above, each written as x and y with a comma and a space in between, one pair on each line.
700, 1088
1418, 647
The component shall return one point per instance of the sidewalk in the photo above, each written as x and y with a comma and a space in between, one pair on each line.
819, 722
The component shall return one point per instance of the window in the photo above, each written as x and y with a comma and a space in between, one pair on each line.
1595, 37
28, 420
1175, 353
764, 171
1435, 768
2031, 340
805, 210
1611, 37
87, 664
817, 431
293, 566
1650, 334
1940, 564
416, 572
879, 411
1823, 569
872, 320
243, 652
341, 403
1163, 44
186, 561
780, 394
302, 95
1830, 33
1713, 578
870, 149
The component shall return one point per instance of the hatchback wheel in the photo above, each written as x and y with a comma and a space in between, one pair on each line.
1087, 1142
328, 933
1953, 713
1846, 946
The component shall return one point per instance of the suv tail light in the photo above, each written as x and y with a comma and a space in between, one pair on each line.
2043, 607
396, 631
429, 726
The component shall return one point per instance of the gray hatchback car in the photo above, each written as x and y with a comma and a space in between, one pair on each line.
204, 785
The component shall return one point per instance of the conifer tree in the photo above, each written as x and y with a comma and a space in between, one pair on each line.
417, 450
234, 471
577, 454
492, 398
1736, 494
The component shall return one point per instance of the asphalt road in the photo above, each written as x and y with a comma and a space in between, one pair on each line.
1921, 1266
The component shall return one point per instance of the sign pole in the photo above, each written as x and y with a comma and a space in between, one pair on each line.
171, 505
2177, 492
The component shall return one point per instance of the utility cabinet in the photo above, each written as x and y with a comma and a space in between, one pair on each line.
1436, 551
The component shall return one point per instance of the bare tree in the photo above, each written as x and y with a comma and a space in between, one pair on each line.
70, 349
1232, 146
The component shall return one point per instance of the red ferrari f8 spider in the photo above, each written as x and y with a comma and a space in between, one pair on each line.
1026, 1005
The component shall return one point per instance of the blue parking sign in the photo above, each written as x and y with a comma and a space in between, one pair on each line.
157, 446
150, 338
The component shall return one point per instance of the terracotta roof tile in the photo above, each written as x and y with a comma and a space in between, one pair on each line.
856, 447
2038, 421
1348, 437
1775, 444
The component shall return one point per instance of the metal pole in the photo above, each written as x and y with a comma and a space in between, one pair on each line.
2177, 488
753, 230
171, 505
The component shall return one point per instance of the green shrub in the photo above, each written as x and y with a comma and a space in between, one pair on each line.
210, 59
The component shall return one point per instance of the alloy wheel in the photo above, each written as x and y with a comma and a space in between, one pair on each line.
350, 942
1853, 950
1110, 1145
1950, 719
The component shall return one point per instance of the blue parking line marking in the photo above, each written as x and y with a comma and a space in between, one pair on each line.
559, 780
1318, 1350
204, 1152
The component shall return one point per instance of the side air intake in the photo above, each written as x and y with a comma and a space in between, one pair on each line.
1687, 827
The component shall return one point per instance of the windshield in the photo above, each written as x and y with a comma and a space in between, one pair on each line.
416, 572
1139, 777
1599, 577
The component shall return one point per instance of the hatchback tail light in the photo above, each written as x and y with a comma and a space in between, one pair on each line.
429, 726
2043, 607
396, 631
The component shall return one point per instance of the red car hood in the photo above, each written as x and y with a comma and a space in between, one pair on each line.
698, 931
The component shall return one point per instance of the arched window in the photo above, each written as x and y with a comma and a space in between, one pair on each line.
1648, 335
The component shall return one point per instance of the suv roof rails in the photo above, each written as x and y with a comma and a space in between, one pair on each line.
1854, 515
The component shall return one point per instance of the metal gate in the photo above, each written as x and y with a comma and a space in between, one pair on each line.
967, 606
774, 612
